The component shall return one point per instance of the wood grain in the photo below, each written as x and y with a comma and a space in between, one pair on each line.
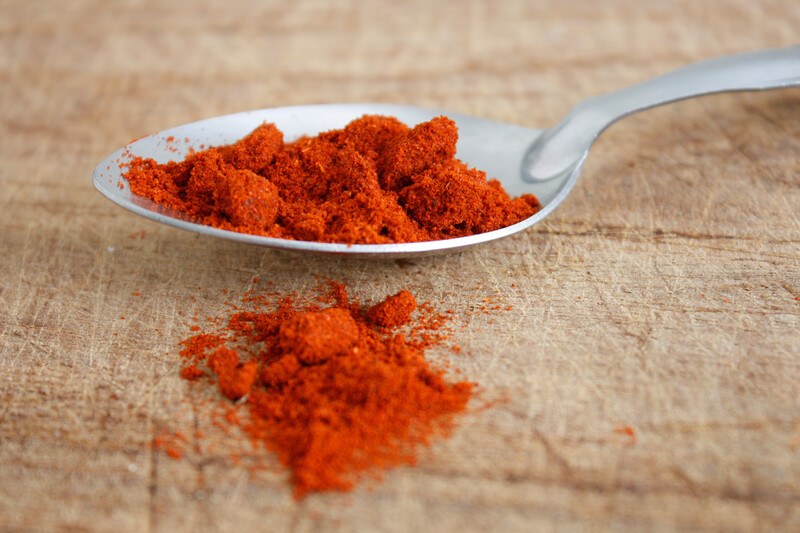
663, 295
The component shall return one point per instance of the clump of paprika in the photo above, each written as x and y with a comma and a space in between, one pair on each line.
335, 391
375, 181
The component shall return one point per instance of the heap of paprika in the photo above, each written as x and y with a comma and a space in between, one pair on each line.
375, 181
335, 392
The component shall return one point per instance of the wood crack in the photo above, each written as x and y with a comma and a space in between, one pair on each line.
601, 486
657, 234
152, 488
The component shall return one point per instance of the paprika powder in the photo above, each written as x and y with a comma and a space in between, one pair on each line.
375, 181
335, 391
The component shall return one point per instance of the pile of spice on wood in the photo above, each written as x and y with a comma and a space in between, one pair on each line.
375, 181
335, 389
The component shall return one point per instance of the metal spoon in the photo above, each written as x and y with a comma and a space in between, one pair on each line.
543, 162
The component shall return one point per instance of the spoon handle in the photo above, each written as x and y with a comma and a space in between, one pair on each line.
563, 147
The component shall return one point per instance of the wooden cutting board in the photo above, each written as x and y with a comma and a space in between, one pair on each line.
648, 369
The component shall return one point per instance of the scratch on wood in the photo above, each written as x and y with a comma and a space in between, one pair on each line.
152, 487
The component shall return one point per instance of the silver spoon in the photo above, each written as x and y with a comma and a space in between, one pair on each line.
543, 162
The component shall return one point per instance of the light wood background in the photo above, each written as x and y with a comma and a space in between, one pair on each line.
663, 295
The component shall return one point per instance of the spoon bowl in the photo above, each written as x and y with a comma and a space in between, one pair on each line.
545, 163
494, 147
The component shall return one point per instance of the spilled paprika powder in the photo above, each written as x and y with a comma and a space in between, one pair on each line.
375, 181
335, 391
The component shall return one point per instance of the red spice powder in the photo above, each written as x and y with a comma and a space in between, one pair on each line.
336, 392
627, 431
375, 181
394, 311
171, 444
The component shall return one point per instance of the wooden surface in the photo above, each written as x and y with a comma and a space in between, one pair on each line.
663, 295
